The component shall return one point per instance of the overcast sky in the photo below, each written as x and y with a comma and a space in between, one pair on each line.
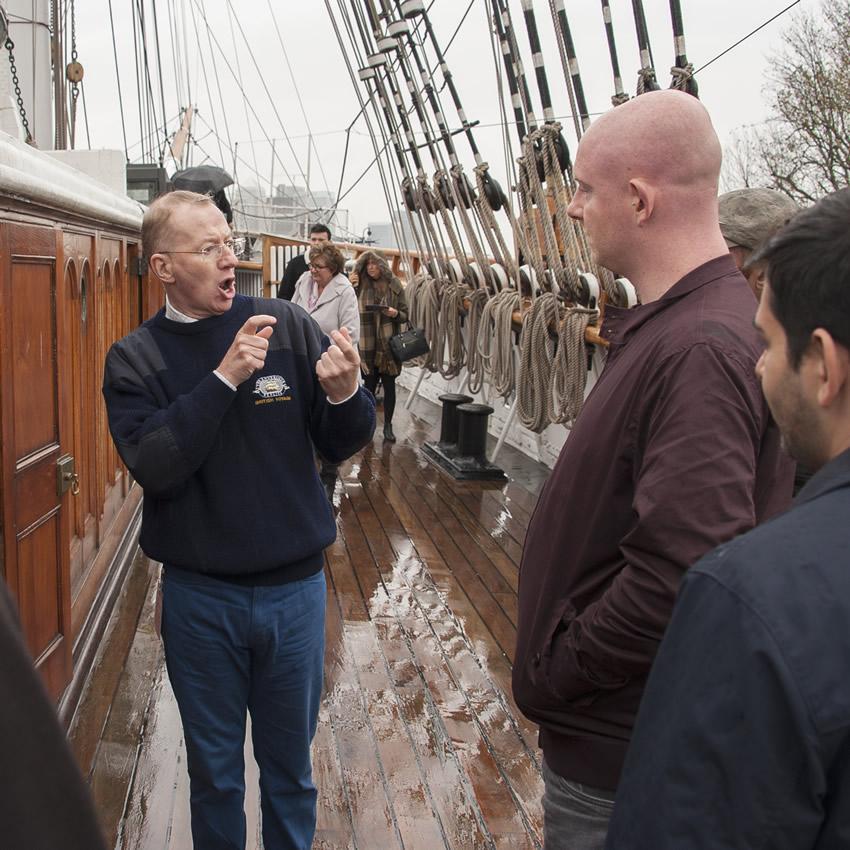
731, 88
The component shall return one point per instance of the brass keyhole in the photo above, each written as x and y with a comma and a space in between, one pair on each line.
74, 480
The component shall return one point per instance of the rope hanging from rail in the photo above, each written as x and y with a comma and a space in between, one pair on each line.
569, 370
475, 365
537, 351
495, 340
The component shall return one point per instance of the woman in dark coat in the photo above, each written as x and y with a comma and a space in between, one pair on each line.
383, 309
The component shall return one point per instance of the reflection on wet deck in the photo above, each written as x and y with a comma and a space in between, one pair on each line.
419, 744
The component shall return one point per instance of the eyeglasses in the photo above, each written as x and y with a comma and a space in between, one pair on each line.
315, 268
215, 252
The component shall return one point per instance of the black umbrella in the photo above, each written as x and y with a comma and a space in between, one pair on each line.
202, 179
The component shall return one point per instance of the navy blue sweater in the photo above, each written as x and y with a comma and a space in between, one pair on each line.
229, 478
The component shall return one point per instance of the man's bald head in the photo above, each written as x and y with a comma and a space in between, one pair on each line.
664, 136
647, 174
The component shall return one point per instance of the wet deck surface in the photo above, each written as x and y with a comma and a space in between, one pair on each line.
419, 744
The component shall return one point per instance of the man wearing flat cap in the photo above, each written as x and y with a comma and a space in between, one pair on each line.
748, 218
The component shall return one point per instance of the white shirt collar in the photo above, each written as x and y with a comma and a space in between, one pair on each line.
171, 312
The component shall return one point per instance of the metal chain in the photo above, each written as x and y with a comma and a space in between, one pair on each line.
10, 46
74, 74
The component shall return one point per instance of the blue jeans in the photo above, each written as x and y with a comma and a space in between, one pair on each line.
575, 816
230, 649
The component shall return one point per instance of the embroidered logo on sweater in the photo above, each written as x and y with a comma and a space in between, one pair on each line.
272, 388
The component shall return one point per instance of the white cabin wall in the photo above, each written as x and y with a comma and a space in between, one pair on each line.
29, 22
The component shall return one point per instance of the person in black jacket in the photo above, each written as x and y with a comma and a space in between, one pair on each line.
743, 735
45, 803
297, 267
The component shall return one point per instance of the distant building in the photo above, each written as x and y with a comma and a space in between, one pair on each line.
383, 235
290, 211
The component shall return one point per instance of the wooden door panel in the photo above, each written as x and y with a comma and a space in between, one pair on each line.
33, 357
36, 551
39, 586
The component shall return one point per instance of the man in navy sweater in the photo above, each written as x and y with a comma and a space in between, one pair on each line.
215, 405
743, 735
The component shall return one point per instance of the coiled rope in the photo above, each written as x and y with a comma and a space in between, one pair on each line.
569, 371
537, 351
495, 340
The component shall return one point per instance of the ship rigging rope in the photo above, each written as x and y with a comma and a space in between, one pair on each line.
385, 182
495, 340
569, 370
345, 49
297, 93
450, 336
159, 74
150, 100
118, 79
248, 100
236, 51
176, 64
511, 267
537, 353
475, 366
569, 75
218, 88
214, 127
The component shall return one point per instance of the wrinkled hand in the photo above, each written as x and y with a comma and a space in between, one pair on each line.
247, 352
338, 368
390, 312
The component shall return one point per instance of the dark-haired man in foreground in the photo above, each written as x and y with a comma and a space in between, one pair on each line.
743, 735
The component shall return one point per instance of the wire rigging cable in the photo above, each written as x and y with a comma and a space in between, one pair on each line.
118, 80
297, 93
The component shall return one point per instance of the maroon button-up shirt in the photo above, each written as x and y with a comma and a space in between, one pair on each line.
674, 452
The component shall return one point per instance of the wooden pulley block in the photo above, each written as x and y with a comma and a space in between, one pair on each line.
74, 72
455, 270
409, 197
589, 290
428, 200
465, 191
528, 281
626, 292
493, 191
478, 279
562, 152
443, 186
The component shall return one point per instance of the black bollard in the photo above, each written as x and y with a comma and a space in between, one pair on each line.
472, 430
449, 423
462, 450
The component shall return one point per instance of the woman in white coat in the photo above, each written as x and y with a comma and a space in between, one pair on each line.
328, 296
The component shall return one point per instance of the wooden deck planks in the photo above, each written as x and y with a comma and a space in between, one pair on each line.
419, 744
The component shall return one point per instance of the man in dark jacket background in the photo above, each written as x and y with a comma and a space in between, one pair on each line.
297, 266
673, 453
743, 737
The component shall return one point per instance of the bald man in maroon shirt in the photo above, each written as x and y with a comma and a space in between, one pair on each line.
673, 453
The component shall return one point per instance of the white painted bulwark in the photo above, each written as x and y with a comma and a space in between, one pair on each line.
37, 177
543, 447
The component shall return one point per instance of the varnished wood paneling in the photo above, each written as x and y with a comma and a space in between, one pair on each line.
38, 584
33, 355
35, 486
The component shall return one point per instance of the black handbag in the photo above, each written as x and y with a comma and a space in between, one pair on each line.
408, 344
